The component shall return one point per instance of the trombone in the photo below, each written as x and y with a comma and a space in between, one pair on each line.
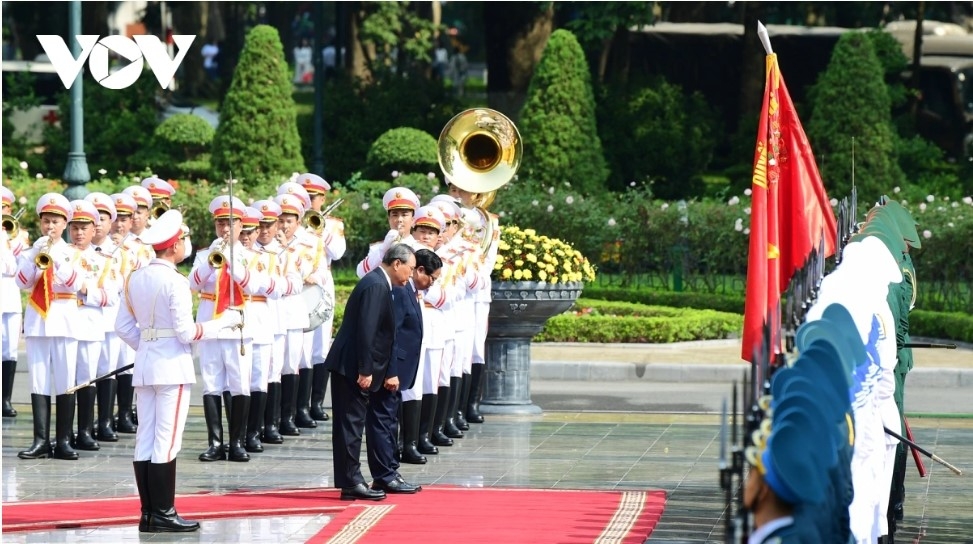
159, 208
315, 220
11, 223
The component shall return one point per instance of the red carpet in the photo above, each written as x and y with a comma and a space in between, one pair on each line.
436, 514
508, 516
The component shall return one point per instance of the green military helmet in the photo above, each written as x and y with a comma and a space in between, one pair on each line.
882, 226
905, 222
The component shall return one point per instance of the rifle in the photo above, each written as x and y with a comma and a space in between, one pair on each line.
927, 453
928, 345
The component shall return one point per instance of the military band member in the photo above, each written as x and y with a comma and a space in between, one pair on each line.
99, 289
291, 284
427, 226
111, 347
10, 249
469, 406
53, 277
295, 257
127, 420
400, 205
313, 254
155, 319
222, 277
264, 321
160, 190
330, 247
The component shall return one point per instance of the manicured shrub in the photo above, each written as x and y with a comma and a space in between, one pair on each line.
402, 150
851, 100
558, 122
182, 144
257, 136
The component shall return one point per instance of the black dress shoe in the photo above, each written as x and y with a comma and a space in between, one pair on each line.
361, 491
398, 485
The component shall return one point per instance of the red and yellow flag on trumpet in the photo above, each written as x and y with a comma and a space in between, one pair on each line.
790, 211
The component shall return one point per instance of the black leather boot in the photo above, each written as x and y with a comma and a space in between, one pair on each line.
464, 394
427, 421
288, 405
438, 437
319, 386
141, 482
410, 433
255, 423
228, 406
106, 405
64, 427
9, 372
86, 420
303, 417
41, 448
449, 427
472, 404
212, 410
272, 415
162, 491
240, 412
126, 393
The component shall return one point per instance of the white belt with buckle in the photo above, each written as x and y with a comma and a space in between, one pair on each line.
151, 335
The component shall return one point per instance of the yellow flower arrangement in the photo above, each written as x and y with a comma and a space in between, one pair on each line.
522, 255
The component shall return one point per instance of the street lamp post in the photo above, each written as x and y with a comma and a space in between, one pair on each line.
76, 173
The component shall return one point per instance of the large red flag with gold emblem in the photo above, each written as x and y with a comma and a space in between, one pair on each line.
790, 212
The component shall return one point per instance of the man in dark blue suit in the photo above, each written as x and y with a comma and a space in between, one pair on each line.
408, 348
359, 363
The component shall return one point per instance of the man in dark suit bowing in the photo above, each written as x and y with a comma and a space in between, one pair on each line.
359, 363
407, 359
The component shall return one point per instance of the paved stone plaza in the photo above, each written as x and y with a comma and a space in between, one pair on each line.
593, 434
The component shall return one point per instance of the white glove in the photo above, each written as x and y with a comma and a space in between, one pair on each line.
390, 238
231, 318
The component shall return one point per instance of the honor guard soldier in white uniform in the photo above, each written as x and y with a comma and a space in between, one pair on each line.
221, 276
400, 205
52, 276
296, 257
99, 289
140, 221
331, 246
115, 259
291, 284
11, 245
314, 245
429, 222
155, 319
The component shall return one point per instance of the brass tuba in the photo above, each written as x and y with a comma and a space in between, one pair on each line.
480, 151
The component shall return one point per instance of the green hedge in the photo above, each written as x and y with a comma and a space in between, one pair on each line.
697, 325
701, 301
945, 325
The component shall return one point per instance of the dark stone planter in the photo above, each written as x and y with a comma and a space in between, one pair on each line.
518, 312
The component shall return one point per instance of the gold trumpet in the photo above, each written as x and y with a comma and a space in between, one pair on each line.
43, 258
216, 257
11, 223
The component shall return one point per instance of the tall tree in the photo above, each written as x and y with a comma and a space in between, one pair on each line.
516, 33
603, 30
257, 136
558, 121
851, 101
